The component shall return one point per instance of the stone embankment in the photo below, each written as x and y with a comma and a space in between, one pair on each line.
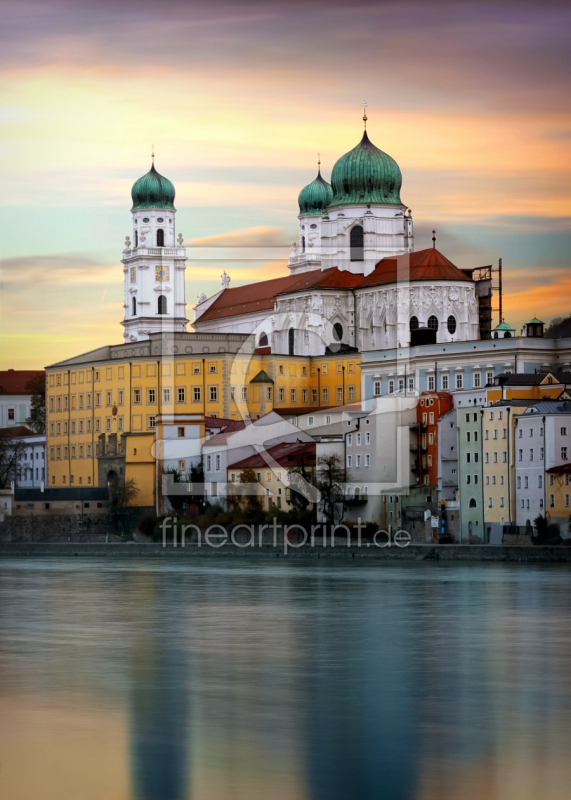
340, 552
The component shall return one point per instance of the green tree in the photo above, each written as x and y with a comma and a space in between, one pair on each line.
37, 419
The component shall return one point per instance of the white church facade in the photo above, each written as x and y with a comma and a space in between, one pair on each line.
355, 282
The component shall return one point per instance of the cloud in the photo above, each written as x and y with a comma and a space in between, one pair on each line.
258, 236
60, 269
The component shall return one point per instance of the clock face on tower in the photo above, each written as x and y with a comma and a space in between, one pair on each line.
162, 273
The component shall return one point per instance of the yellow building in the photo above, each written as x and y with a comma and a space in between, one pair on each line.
558, 483
104, 407
536, 386
498, 449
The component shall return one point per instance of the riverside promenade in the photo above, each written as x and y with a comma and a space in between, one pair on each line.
340, 551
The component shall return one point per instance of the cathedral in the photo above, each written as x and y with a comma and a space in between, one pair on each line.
355, 282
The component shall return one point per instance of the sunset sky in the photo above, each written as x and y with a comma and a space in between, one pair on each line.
471, 99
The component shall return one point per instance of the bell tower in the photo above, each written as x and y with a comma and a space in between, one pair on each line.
153, 262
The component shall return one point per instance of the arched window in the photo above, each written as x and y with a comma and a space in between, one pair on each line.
263, 340
160, 238
357, 245
496, 335
303, 244
338, 331
433, 323
472, 503
162, 305
134, 306
507, 335
357, 493
291, 341
451, 324
136, 238
414, 323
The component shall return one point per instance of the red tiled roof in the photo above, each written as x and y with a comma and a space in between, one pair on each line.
425, 265
247, 299
13, 381
17, 432
287, 454
218, 422
560, 469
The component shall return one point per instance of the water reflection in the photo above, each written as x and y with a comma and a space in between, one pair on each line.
159, 719
238, 681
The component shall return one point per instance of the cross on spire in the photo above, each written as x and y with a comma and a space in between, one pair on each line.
434, 239
365, 104
153, 153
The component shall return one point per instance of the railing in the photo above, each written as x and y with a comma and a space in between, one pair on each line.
299, 259
157, 251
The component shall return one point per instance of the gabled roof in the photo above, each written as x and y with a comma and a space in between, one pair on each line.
17, 432
222, 437
531, 378
13, 381
287, 454
556, 407
261, 377
425, 265
523, 402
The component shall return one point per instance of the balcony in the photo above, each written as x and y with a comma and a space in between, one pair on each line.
301, 257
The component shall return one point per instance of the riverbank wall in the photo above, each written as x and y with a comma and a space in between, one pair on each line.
340, 552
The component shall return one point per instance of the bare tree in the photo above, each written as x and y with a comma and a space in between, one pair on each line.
37, 419
301, 477
330, 478
122, 494
12, 453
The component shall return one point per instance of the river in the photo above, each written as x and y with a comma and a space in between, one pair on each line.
235, 679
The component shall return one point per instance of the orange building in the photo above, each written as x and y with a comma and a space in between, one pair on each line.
431, 406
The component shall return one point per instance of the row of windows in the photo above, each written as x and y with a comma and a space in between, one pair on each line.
495, 457
212, 368
80, 481
444, 383
358, 438
494, 479
525, 503
495, 436
567, 480
525, 483
161, 305
502, 503
196, 395
367, 461
81, 451
433, 323
552, 501
541, 452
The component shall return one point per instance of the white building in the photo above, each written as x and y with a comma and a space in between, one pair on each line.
153, 262
543, 441
355, 280
15, 399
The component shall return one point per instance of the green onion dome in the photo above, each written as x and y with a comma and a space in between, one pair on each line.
152, 191
315, 197
366, 175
